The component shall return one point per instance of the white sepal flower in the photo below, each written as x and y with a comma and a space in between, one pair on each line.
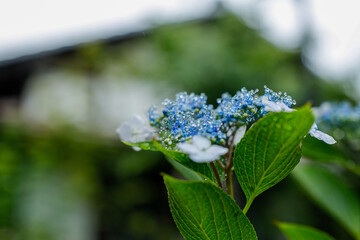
275, 107
135, 130
201, 150
314, 132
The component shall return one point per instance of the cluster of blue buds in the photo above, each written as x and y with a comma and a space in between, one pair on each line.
332, 116
190, 115
246, 107
186, 116
279, 97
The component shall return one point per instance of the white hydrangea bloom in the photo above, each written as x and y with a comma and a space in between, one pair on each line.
201, 150
314, 132
135, 130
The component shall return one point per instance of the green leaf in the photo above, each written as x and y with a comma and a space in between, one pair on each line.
270, 150
202, 168
301, 232
143, 145
332, 194
203, 211
321, 152
185, 171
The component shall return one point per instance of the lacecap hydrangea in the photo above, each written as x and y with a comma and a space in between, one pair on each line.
340, 118
191, 125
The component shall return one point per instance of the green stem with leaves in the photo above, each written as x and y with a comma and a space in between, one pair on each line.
229, 184
228, 169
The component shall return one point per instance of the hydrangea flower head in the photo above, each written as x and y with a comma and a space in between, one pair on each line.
188, 123
243, 108
186, 116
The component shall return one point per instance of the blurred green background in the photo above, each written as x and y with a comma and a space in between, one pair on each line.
64, 174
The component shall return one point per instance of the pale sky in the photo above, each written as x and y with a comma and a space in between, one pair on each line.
31, 26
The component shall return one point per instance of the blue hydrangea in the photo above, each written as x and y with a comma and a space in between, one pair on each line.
279, 97
186, 116
189, 115
335, 116
246, 107
243, 108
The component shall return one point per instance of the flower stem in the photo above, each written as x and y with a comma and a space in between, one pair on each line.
229, 184
216, 174
228, 169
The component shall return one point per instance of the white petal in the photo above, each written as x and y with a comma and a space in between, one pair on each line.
146, 133
272, 107
217, 150
201, 142
139, 137
203, 157
285, 108
313, 127
275, 107
322, 136
239, 134
137, 121
136, 148
136, 130
125, 132
314, 132
188, 148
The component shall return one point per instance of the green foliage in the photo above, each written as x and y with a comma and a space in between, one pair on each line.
187, 167
321, 152
185, 171
120, 185
143, 145
300, 232
203, 211
270, 150
332, 194
201, 168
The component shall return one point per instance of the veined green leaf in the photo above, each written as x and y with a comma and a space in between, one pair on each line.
270, 150
301, 232
203, 211
185, 171
332, 194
